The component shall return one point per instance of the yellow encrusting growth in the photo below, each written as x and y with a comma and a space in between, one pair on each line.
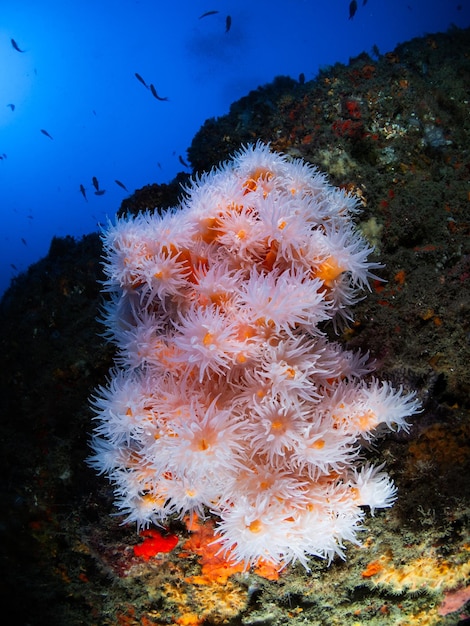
426, 573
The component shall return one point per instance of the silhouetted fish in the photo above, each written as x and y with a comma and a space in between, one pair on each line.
100, 192
141, 80
228, 23
44, 132
83, 192
95, 182
118, 182
207, 13
12, 106
302, 78
15, 45
352, 9
24, 241
155, 94
182, 161
13, 266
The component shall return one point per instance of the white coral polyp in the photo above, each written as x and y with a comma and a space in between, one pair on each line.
226, 397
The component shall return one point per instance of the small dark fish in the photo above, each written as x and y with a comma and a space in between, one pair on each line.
44, 132
1, 157
4, 155
141, 80
95, 182
155, 94
12, 106
15, 46
364, 2
182, 161
228, 23
159, 165
207, 13
13, 266
24, 241
352, 9
118, 182
83, 192
100, 192
302, 78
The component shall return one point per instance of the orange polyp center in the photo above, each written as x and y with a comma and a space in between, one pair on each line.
367, 420
208, 339
355, 493
256, 526
203, 445
318, 444
251, 184
245, 331
329, 270
151, 499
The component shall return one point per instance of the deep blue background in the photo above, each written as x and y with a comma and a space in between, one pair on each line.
76, 80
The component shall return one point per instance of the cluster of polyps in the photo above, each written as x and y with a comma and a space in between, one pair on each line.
227, 398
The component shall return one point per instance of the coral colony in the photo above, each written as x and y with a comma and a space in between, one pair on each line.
227, 398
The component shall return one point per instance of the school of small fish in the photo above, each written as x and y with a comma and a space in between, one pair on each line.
99, 191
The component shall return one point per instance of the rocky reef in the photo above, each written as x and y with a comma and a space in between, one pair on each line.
392, 129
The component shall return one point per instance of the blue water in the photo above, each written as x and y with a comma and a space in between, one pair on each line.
76, 81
